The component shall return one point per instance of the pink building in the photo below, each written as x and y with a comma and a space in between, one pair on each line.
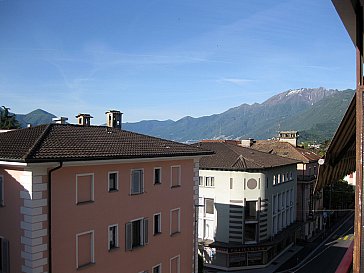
96, 199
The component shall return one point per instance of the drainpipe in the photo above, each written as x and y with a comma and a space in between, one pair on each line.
50, 215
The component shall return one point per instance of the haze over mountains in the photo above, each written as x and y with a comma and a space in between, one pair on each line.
315, 112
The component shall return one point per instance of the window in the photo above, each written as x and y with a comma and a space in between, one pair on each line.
157, 269
84, 188
136, 233
137, 182
2, 194
4, 256
209, 206
250, 232
113, 237
250, 210
85, 249
175, 264
157, 223
157, 175
200, 181
175, 176
175, 221
113, 181
274, 180
210, 181
231, 183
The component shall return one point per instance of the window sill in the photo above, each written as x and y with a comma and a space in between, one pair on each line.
85, 202
113, 190
175, 186
157, 233
136, 247
175, 233
84, 266
157, 183
138, 193
115, 248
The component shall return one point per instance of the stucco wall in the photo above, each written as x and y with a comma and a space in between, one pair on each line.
69, 219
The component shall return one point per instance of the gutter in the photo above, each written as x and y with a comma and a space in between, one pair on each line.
50, 215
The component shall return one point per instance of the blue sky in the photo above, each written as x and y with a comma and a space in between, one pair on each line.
163, 59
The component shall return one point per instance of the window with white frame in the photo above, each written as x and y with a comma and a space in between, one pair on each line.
175, 226
4, 255
137, 181
274, 180
85, 248
84, 188
231, 183
209, 206
113, 181
175, 176
2, 191
157, 269
113, 233
174, 264
136, 233
157, 175
200, 181
209, 181
157, 225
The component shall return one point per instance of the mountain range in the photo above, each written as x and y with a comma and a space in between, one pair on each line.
314, 112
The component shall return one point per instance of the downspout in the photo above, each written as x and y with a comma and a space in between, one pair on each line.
50, 215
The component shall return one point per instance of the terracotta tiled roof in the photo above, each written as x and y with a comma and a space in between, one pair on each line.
285, 149
58, 142
230, 156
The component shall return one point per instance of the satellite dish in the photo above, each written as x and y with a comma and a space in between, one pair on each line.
321, 161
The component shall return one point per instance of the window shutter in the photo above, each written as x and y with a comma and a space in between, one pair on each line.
141, 181
5, 256
1, 191
128, 236
145, 222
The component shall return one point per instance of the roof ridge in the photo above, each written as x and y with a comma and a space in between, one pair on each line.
243, 157
34, 146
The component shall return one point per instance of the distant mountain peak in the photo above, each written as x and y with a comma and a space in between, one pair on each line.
301, 95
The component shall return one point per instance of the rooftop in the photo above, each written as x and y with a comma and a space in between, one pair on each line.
285, 149
230, 156
66, 142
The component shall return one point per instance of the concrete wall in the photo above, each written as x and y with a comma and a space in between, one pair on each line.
263, 193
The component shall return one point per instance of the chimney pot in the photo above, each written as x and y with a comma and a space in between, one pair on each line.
113, 119
60, 120
84, 119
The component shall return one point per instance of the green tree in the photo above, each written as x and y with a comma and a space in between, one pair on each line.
8, 121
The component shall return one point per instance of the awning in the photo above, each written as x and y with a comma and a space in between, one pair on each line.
340, 156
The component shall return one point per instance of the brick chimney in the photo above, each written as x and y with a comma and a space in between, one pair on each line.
84, 119
60, 120
113, 119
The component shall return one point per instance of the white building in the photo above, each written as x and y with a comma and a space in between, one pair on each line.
247, 206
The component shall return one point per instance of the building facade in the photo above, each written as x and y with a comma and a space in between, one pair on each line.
98, 199
247, 204
309, 204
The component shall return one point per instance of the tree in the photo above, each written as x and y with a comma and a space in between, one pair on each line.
8, 121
